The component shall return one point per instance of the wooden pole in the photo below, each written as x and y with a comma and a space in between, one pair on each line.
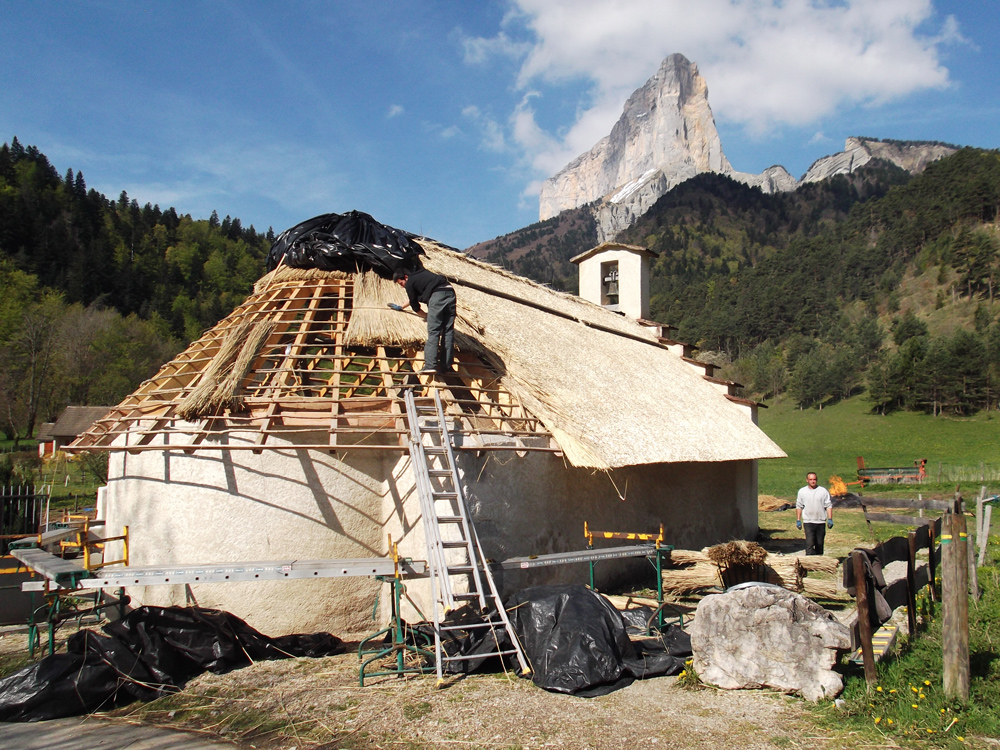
955, 595
911, 584
987, 518
932, 561
864, 623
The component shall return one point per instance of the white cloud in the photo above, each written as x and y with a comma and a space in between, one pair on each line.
450, 132
395, 111
490, 131
819, 137
768, 63
479, 50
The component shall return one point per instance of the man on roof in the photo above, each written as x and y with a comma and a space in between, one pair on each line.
814, 508
433, 290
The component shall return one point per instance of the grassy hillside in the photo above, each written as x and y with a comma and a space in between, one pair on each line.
827, 441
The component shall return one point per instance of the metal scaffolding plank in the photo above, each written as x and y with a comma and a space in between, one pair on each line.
281, 570
581, 556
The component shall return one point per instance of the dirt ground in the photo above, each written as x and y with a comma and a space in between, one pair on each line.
308, 703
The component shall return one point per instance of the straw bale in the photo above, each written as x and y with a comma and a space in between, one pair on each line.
819, 563
687, 557
820, 587
702, 575
768, 503
784, 571
737, 552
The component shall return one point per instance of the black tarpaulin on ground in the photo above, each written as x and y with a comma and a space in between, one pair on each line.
345, 242
575, 641
150, 652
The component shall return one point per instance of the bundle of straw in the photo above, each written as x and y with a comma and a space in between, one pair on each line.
197, 403
819, 563
701, 575
218, 387
737, 552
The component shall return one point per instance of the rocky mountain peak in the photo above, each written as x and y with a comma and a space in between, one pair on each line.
666, 126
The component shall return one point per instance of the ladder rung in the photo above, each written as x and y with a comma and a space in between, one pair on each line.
474, 626
457, 544
449, 519
439, 472
444, 495
454, 570
468, 657
469, 597
434, 450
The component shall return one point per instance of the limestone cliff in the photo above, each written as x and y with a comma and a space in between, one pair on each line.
666, 127
666, 135
911, 156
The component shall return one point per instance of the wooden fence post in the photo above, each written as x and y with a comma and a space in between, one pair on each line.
911, 584
955, 596
987, 518
864, 622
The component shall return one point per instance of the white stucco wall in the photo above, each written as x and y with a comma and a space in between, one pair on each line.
536, 505
225, 506
221, 506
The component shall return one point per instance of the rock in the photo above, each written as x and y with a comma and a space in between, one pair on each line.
764, 636
666, 126
911, 156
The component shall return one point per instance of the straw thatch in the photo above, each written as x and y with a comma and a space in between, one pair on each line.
373, 321
534, 363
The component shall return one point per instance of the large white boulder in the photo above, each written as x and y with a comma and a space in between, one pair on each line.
766, 636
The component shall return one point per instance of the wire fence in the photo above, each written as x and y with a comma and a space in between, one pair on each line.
948, 473
23, 511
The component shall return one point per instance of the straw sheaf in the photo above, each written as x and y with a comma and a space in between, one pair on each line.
737, 553
218, 386
285, 274
372, 322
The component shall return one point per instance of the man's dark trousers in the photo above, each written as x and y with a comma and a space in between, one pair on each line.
440, 329
815, 537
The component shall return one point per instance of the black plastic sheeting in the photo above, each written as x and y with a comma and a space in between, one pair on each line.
345, 242
575, 640
151, 652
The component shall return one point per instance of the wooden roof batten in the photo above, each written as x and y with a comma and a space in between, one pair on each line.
306, 387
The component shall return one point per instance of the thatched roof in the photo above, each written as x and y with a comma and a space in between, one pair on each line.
319, 351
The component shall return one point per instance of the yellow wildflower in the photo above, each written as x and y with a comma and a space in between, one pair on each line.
878, 719
889, 721
878, 689
961, 739
892, 690
914, 689
921, 696
927, 682
914, 705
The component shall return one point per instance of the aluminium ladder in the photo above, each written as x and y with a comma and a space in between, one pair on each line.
453, 547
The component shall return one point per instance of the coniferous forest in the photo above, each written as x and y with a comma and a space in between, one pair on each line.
98, 293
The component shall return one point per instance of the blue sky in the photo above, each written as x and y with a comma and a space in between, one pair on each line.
443, 117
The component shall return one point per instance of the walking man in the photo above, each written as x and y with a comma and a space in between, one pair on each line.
433, 290
814, 508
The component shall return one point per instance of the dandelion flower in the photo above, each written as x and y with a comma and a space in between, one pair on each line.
914, 689
927, 682
878, 689
961, 739
914, 705
892, 690
930, 731
889, 721
921, 696
878, 719
942, 710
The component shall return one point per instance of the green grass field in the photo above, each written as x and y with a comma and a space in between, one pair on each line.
829, 441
